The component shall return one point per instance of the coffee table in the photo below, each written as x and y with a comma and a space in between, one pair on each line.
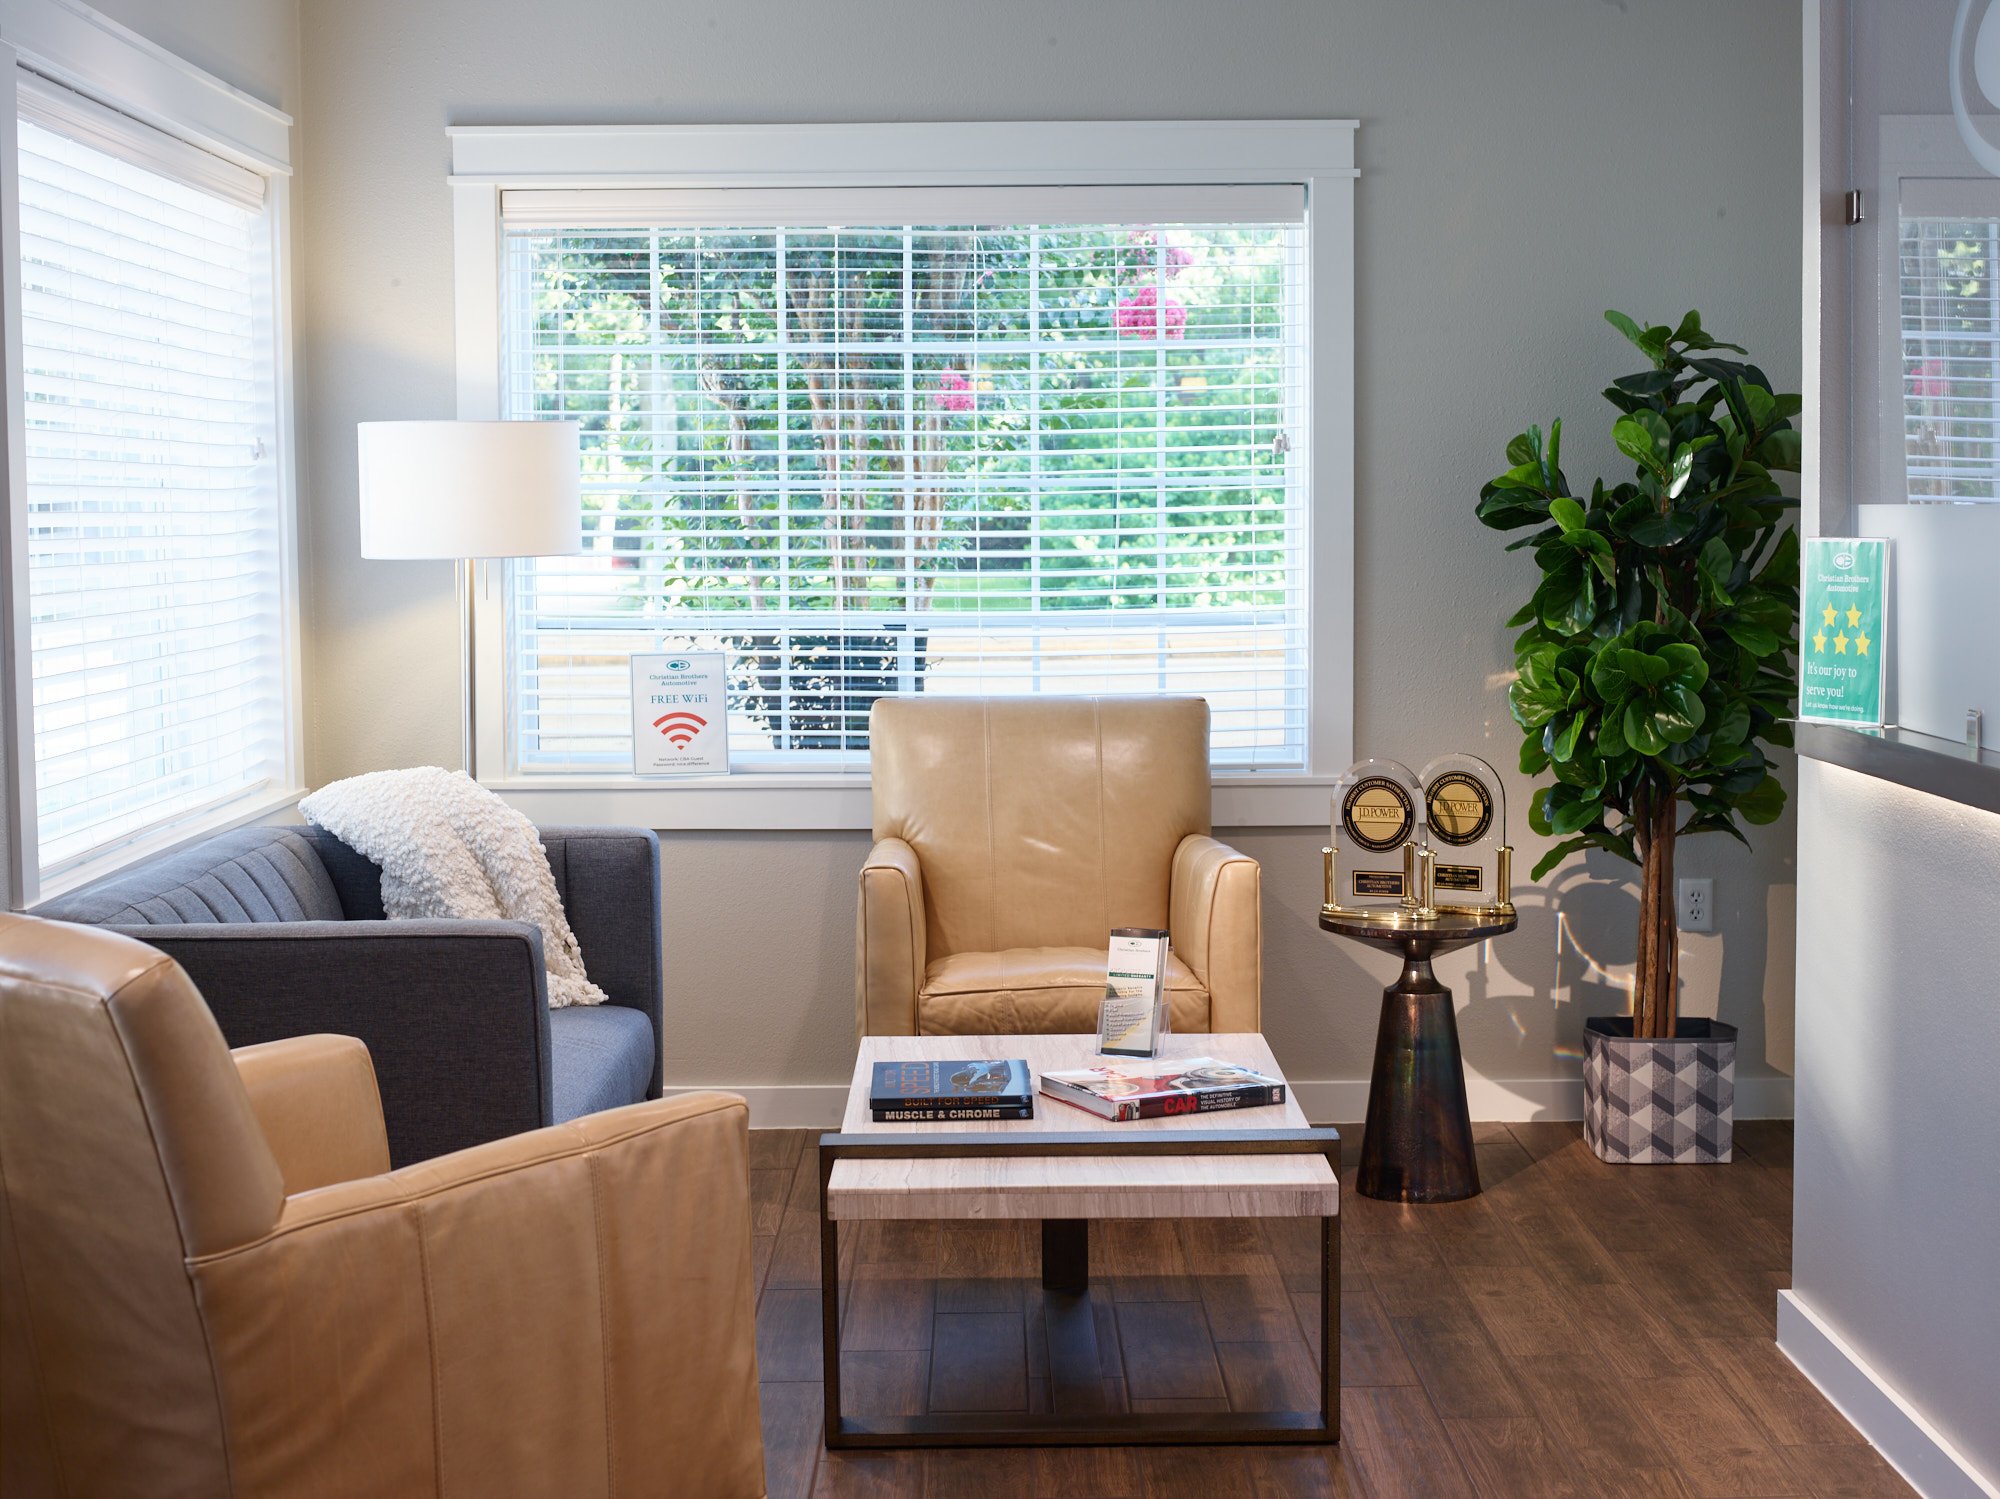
1064, 1167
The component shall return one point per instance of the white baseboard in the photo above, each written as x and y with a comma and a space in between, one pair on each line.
819, 1105
1915, 1448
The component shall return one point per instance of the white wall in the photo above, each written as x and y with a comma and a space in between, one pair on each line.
1896, 1208
1524, 167
1896, 1182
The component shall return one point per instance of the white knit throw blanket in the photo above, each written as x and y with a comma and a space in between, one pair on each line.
450, 847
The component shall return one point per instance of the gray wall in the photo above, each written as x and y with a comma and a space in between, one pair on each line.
1524, 167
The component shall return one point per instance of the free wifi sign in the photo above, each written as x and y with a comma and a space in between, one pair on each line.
680, 713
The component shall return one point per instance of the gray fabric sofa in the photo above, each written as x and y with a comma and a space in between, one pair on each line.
283, 931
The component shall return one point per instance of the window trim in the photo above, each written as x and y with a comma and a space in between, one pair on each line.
1319, 154
74, 46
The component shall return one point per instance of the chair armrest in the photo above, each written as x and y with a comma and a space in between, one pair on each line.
609, 881
455, 1014
315, 1099
1216, 916
521, 1314
889, 939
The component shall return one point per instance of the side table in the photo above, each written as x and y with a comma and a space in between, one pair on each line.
1417, 1143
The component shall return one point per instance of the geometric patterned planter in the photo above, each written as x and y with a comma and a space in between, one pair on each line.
1659, 1101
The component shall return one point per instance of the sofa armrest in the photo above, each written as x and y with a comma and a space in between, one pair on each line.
521, 1315
315, 1100
1215, 913
609, 881
889, 940
455, 1014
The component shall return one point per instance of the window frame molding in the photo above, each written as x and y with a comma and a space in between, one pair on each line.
80, 49
487, 160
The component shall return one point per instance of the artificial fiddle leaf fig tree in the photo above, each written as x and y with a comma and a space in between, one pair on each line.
1655, 660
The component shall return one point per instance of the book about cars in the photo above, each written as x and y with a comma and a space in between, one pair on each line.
929, 1092
1120, 1091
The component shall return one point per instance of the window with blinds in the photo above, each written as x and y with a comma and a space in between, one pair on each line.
1950, 357
938, 441
153, 507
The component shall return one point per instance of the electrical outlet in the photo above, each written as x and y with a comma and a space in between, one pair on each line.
1697, 905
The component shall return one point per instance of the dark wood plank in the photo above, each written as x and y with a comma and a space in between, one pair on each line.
1300, 1473
979, 1362
776, 1149
1524, 1317
768, 1190
1458, 1366
1408, 1274
1226, 1246
894, 1249
1845, 1470
869, 1475
1473, 1233
1786, 1404
1396, 1446
1768, 1141
1197, 1472
884, 1384
1247, 1308
1269, 1376
1167, 1352
1637, 1483
1512, 1459
795, 1253
1370, 1352
1627, 1334
794, 1430
980, 1473
788, 1335
1713, 1441
1085, 1473
1591, 1417
889, 1315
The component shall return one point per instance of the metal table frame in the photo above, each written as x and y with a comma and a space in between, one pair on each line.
1076, 1391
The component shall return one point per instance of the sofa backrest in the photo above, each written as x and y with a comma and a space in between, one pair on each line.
1040, 821
250, 874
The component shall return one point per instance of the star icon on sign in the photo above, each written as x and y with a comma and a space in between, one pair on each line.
1840, 645
1854, 619
1819, 641
1861, 645
1829, 614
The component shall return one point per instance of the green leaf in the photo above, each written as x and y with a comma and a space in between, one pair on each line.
1520, 450
1557, 854
1680, 472
1570, 816
1688, 666
1563, 745
1569, 515
1765, 803
1755, 639
1783, 450
1534, 759
1642, 670
1760, 401
1677, 713
1641, 732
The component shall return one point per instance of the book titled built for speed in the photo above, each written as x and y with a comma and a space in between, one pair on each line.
1155, 1090
928, 1092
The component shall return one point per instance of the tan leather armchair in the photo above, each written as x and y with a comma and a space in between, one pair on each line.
1012, 835
211, 1284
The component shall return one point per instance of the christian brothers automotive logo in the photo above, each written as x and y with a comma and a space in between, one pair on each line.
1377, 813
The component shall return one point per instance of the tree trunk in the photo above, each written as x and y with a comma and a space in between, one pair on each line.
1656, 976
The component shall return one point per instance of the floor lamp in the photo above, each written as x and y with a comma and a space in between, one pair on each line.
468, 491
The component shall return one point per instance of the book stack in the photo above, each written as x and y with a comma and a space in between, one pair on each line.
931, 1092
1159, 1090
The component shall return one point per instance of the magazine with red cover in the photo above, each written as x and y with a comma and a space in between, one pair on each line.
1142, 1089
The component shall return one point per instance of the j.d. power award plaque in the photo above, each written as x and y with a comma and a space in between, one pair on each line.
1465, 819
1378, 819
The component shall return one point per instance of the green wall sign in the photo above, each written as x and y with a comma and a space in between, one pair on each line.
1840, 630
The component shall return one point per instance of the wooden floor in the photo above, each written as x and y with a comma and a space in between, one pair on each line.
1579, 1330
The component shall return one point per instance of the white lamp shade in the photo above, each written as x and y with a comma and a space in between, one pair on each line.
470, 489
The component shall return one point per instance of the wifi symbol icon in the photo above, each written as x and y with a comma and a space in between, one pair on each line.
680, 728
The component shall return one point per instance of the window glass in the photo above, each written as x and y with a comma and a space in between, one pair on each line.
1015, 459
153, 511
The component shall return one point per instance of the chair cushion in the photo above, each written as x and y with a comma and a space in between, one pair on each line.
248, 875
1027, 991
601, 1057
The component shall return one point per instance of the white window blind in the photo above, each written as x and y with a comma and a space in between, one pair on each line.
1950, 339
865, 451
153, 519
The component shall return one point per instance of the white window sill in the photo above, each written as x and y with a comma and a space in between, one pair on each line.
802, 803
254, 806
